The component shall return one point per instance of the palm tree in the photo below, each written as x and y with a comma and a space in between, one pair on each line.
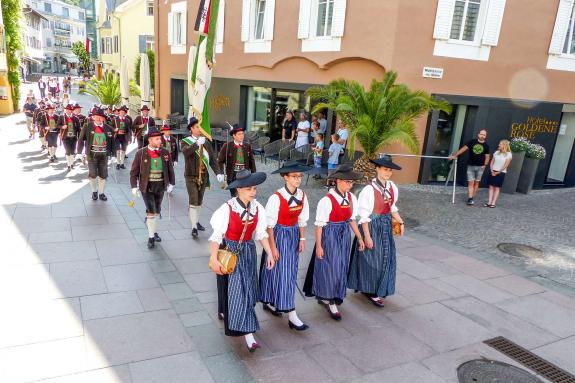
383, 115
107, 90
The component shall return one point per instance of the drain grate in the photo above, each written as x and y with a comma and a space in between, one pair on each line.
519, 250
540, 366
489, 371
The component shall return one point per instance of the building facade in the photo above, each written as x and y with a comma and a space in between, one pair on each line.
32, 37
91, 32
511, 77
64, 25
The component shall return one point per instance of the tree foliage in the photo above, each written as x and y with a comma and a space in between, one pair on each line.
72, 2
12, 12
150, 54
107, 90
79, 49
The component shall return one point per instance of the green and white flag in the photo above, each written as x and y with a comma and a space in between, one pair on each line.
200, 63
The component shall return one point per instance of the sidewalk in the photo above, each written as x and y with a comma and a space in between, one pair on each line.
86, 301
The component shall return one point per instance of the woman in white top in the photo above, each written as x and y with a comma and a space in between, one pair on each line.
499, 163
303, 129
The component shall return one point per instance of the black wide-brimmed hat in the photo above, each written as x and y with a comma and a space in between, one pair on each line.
245, 179
77, 106
145, 107
236, 128
124, 108
50, 106
70, 106
386, 161
153, 132
292, 167
98, 112
345, 172
193, 121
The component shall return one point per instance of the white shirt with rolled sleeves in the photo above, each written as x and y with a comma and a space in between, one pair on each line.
324, 208
273, 207
366, 201
221, 218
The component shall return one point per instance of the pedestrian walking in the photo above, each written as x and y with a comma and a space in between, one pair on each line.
237, 224
198, 156
49, 124
236, 155
303, 128
479, 155
287, 212
98, 138
326, 277
42, 87
372, 271
28, 109
289, 127
122, 135
498, 168
152, 174
140, 126
69, 132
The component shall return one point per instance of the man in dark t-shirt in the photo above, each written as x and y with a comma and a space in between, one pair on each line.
479, 155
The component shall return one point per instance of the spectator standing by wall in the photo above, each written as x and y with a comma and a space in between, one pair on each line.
42, 87
289, 128
303, 128
498, 168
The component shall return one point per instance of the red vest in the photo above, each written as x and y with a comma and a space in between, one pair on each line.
340, 213
287, 215
236, 226
380, 205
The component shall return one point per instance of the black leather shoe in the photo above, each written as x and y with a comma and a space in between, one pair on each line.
157, 238
303, 327
117, 167
200, 227
221, 316
122, 166
194, 233
272, 311
334, 316
125, 156
103, 197
151, 244
95, 196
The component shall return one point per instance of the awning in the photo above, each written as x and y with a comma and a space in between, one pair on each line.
71, 59
31, 59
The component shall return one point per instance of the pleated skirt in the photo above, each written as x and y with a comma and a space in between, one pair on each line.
326, 278
277, 286
238, 292
372, 271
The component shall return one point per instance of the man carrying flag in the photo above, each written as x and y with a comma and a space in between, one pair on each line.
198, 156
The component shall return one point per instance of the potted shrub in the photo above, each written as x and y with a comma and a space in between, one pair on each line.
533, 155
440, 170
518, 147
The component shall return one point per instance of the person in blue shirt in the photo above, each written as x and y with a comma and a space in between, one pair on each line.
334, 152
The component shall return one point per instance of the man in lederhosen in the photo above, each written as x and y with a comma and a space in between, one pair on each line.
69, 131
49, 125
198, 155
38, 113
152, 174
98, 138
141, 125
83, 121
123, 134
169, 142
236, 155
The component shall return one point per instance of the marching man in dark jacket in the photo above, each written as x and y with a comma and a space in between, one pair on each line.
141, 124
236, 155
69, 131
49, 124
198, 155
169, 142
152, 174
98, 138
123, 134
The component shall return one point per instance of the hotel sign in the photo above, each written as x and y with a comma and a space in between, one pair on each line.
534, 126
430, 72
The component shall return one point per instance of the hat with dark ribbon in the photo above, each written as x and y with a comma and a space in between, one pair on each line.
236, 128
165, 126
193, 121
245, 178
153, 132
145, 107
292, 167
99, 112
385, 161
70, 106
345, 172
77, 106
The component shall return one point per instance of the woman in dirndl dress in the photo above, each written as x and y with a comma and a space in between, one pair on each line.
372, 271
326, 277
287, 215
238, 291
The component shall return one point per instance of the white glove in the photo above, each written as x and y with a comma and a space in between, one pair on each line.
201, 141
175, 163
220, 178
135, 192
170, 188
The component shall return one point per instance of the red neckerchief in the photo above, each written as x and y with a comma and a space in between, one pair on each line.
154, 153
98, 129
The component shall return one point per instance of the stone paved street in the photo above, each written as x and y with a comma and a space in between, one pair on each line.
84, 300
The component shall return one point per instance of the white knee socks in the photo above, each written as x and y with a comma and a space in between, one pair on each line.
151, 224
250, 340
51, 151
194, 215
70, 159
293, 318
101, 184
93, 184
120, 156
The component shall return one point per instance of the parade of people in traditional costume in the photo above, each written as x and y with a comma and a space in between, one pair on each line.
70, 128
326, 277
372, 270
236, 155
287, 212
140, 126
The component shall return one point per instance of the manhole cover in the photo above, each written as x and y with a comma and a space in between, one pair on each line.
490, 371
519, 250
410, 222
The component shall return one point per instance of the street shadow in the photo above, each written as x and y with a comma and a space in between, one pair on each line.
31, 153
19, 142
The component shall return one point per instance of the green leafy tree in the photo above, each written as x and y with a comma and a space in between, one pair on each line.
72, 2
150, 54
107, 90
79, 49
12, 12
382, 115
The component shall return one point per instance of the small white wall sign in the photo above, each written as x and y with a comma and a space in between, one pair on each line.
430, 72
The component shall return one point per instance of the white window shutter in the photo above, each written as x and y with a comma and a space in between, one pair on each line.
221, 21
561, 26
170, 28
269, 17
184, 25
304, 19
443, 19
246, 20
493, 22
338, 23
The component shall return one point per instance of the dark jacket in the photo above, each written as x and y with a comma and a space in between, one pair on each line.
64, 126
127, 127
141, 169
43, 121
192, 160
227, 158
137, 129
173, 149
87, 136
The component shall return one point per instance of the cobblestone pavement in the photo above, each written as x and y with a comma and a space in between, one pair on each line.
84, 300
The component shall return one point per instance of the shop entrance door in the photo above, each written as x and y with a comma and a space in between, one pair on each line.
562, 152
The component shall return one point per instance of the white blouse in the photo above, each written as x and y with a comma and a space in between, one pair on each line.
221, 218
324, 208
366, 201
273, 207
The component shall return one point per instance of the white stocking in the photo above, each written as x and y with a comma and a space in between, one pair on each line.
101, 184
151, 224
194, 214
293, 318
250, 340
93, 184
